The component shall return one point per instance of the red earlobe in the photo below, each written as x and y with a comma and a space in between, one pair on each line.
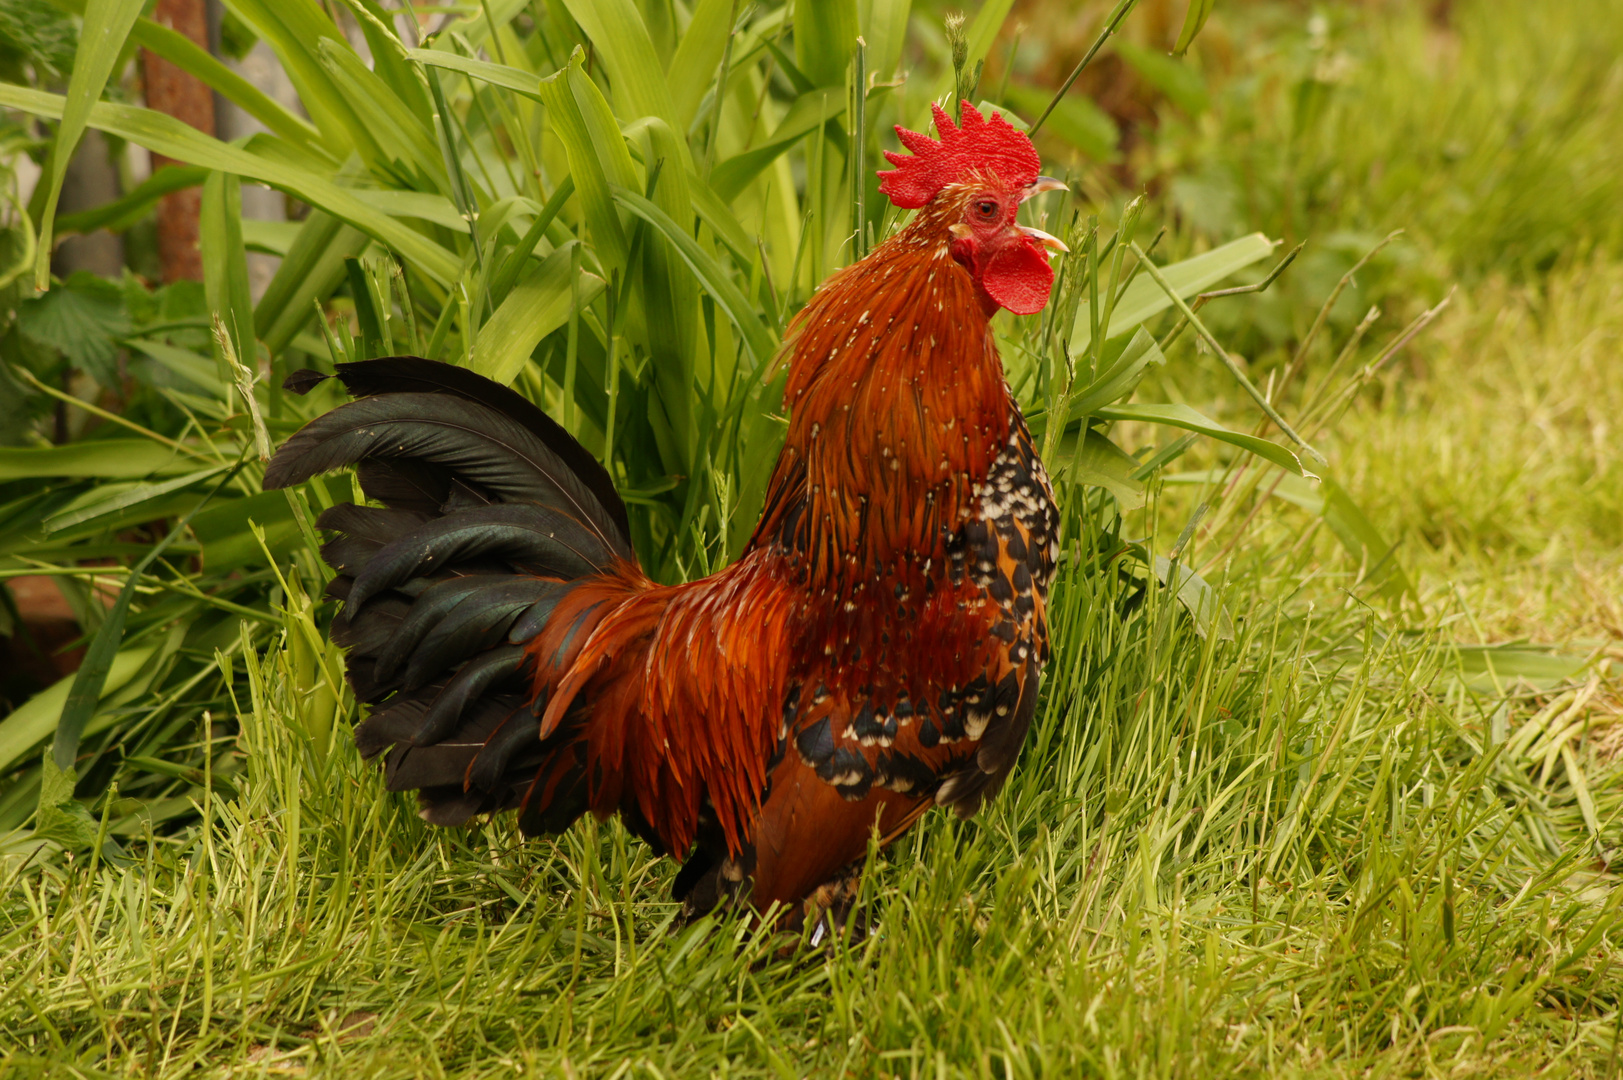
1018, 277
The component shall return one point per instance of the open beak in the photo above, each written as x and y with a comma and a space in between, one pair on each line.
1040, 185
1047, 240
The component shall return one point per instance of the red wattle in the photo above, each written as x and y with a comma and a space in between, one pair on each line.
1018, 276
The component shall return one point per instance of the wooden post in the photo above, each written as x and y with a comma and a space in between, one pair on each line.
171, 90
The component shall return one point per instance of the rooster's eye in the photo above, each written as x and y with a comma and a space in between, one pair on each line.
986, 207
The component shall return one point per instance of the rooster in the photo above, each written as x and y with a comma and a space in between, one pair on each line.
875, 651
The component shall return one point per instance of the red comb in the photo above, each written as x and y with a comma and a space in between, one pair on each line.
981, 146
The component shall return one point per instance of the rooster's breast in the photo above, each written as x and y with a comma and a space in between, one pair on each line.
908, 694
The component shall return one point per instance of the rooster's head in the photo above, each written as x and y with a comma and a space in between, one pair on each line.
974, 180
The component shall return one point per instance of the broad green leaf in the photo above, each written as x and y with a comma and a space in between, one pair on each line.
825, 37
475, 28
710, 274
60, 817
224, 530
1194, 592
126, 210
694, 66
1099, 462
106, 24
636, 76
83, 319
1116, 383
536, 306
1491, 667
1121, 378
31, 723
312, 269
1326, 499
762, 428
269, 237
598, 158
389, 62
884, 28
1144, 299
94, 669
1355, 531
1194, 17
175, 139
1180, 82
105, 459
111, 498
809, 113
1182, 416
716, 214
187, 55
294, 30
225, 263
394, 132
424, 205
1075, 119
183, 362
508, 78
679, 350
791, 71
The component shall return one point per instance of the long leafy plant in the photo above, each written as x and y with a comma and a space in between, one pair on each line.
616, 207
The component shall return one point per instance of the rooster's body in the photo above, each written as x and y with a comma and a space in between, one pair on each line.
874, 652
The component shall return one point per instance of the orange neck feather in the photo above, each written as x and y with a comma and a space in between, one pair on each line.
898, 407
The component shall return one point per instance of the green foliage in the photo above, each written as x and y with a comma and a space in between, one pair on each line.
35, 40
587, 233
1275, 816
82, 320
1485, 131
578, 224
1290, 851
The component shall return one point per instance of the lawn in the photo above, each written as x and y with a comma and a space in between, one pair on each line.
1345, 803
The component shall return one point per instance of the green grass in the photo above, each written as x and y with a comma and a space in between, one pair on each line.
1356, 830
1308, 850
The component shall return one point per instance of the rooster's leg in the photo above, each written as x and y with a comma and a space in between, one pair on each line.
833, 912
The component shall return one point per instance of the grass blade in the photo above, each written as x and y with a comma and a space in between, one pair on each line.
91, 677
825, 34
1182, 416
225, 265
636, 76
191, 58
175, 139
710, 274
693, 66
108, 459
539, 304
1143, 299
1223, 355
107, 24
26, 725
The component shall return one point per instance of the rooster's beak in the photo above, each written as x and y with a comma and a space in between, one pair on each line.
1040, 185
1047, 240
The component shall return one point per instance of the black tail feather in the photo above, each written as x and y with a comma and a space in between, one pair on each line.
491, 512
536, 539
478, 623
432, 606
365, 530
488, 452
489, 669
413, 374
